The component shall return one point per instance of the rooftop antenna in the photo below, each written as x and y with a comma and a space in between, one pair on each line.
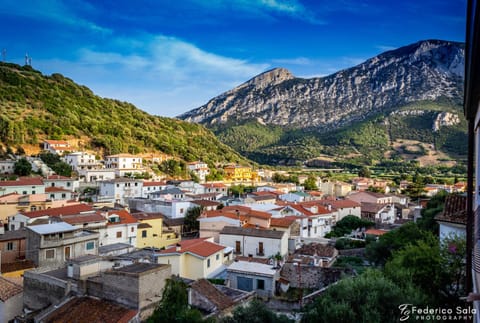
4, 54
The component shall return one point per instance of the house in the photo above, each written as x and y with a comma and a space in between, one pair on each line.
261, 199
90, 309
216, 301
23, 186
167, 194
200, 169
237, 173
121, 228
51, 245
64, 182
289, 224
124, 164
22, 219
215, 188
152, 186
195, 259
81, 161
7, 166
11, 299
96, 175
57, 147
119, 190
12, 245
453, 219
255, 242
336, 189
315, 254
320, 218
58, 193
206, 205
212, 222
381, 214
342, 208
93, 221
173, 209
152, 233
252, 276
370, 197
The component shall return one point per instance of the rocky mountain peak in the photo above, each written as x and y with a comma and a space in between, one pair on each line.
271, 77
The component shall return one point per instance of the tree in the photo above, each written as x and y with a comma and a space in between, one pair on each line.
364, 172
191, 219
370, 297
62, 168
254, 312
310, 183
174, 305
22, 167
434, 206
349, 223
237, 190
381, 251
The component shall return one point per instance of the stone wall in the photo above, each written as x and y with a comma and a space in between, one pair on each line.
40, 291
311, 276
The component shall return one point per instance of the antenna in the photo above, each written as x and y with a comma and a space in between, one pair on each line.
26, 58
4, 54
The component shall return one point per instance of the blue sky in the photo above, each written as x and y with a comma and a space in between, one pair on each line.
168, 57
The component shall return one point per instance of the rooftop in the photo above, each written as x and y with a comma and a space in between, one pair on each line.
271, 234
23, 181
52, 228
14, 235
316, 249
64, 210
138, 268
455, 209
199, 247
252, 267
8, 289
92, 310
213, 294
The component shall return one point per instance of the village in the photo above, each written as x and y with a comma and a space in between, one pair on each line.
107, 240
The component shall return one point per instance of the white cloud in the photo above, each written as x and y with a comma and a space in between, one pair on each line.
293, 61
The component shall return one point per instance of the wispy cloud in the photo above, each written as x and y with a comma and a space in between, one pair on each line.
293, 61
52, 11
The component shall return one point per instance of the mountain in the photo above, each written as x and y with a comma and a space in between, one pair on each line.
35, 107
354, 111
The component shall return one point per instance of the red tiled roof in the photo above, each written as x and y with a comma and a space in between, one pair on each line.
53, 189
199, 247
84, 218
245, 210
23, 181
375, 232
58, 177
265, 193
281, 222
64, 210
92, 310
147, 216
125, 217
206, 203
214, 295
214, 185
8, 289
340, 204
147, 184
57, 142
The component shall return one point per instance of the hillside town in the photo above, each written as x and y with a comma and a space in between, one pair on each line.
108, 240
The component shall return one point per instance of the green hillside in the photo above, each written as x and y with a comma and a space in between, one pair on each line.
365, 142
36, 107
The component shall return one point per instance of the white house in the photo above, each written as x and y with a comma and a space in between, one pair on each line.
119, 190
23, 185
7, 166
81, 160
153, 186
121, 228
58, 147
64, 182
124, 163
255, 242
58, 193
253, 276
96, 175
200, 169
379, 213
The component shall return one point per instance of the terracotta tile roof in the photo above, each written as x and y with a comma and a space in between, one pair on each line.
199, 247
265, 193
264, 197
147, 216
8, 289
53, 189
125, 217
144, 226
59, 177
147, 184
23, 181
245, 210
253, 226
214, 185
64, 210
455, 209
372, 207
92, 310
214, 295
11, 197
375, 232
281, 222
205, 203
340, 204
83, 218
14, 235
122, 155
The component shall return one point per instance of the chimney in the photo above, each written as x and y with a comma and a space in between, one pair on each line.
329, 207
178, 247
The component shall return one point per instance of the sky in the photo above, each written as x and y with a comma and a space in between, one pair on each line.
169, 57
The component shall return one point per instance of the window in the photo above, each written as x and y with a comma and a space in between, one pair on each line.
52, 196
33, 192
50, 253
68, 184
208, 263
144, 233
217, 256
118, 185
64, 195
237, 247
90, 245
24, 193
119, 234
10, 246
132, 229
260, 284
